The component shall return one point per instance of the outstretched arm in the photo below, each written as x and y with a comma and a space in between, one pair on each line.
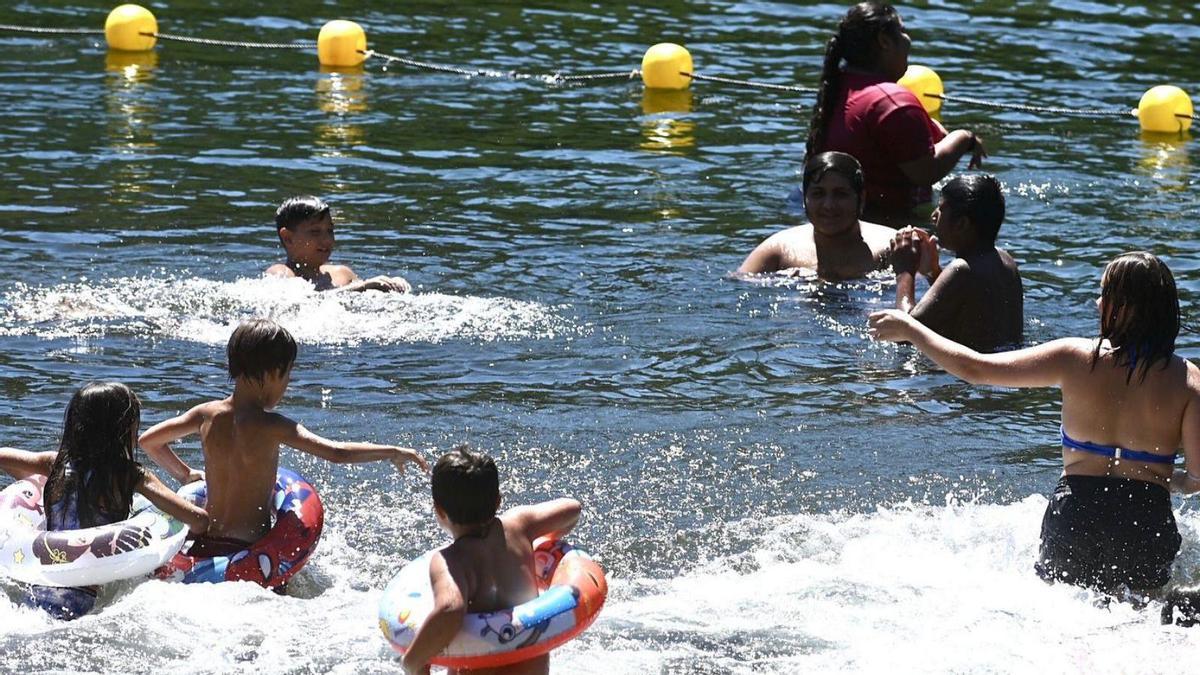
929, 169
172, 504
295, 435
155, 442
764, 258
22, 463
553, 518
1042, 366
446, 619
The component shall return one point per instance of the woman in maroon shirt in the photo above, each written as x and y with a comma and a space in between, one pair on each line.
861, 111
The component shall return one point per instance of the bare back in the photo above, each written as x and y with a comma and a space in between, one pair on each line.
495, 571
978, 302
1148, 416
241, 456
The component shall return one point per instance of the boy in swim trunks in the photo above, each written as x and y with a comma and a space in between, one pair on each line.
490, 564
305, 229
240, 438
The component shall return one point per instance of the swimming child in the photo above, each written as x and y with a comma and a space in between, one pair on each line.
490, 564
90, 482
305, 228
977, 300
1128, 402
240, 438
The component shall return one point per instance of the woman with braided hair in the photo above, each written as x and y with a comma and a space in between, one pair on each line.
860, 110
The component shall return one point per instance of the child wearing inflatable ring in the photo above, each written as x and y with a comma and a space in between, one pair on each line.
490, 565
240, 438
91, 481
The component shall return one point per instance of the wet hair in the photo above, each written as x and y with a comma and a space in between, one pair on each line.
834, 162
1139, 312
258, 348
100, 427
856, 42
466, 486
297, 210
978, 197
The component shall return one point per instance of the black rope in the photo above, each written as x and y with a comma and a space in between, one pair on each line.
624, 75
747, 83
390, 58
231, 43
1078, 112
53, 31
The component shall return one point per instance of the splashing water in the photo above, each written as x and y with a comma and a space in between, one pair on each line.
206, 311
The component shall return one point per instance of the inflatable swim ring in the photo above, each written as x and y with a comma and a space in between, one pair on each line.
573, 592
94, 555
270, 561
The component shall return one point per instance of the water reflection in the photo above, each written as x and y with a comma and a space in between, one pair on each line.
662, 130
131, 117
341, 93
1164, 158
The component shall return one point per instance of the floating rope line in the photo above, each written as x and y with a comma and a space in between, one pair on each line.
511, 74
747, 83
230, 43
53, 31
1078, 112
625, 75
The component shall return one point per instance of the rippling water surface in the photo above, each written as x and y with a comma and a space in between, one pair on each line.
769, 490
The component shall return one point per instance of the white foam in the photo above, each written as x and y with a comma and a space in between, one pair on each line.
207, 311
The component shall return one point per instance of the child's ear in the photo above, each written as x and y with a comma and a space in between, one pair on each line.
285, 236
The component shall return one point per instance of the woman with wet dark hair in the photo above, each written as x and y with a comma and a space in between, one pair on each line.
835, 243
860, 110
1128, 403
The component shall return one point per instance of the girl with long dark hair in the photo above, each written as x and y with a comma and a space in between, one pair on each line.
1128, 403
91, 480
860, 110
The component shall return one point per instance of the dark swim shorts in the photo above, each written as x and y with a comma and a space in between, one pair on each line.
64, 603
1108, 533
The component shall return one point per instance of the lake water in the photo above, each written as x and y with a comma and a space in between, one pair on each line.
768, 489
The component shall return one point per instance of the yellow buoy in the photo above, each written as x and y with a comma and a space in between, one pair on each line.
662, 65
1165, 109
341, 44
131, 28
925, 85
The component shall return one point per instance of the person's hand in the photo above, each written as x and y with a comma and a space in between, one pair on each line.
387, 284
978, 152
193, 475
410, 669
403, 456
929, 264
891, 325
905, 252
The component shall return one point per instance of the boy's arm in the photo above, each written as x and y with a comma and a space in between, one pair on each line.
22, 463
279, 270
553, 518
172, 504
156, 439
297, 436
446, 619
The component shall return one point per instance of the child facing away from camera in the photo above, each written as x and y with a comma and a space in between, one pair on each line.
240, 437
490, 565
305, 228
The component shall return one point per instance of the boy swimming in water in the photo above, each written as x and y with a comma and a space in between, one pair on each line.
977, 301
240, 438
490, 564
305, 229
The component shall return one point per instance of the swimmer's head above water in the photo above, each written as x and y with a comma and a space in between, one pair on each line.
305, 228
466, 487
263, 351
969, 213
1139, 312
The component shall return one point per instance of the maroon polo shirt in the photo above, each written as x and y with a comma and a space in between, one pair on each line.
883, 126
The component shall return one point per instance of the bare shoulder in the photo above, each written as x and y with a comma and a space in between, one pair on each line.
1193, 377
339, 275
279, 270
